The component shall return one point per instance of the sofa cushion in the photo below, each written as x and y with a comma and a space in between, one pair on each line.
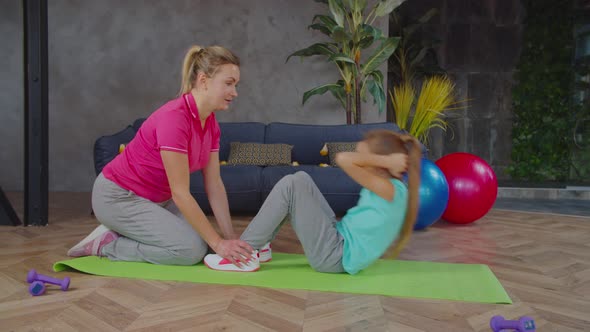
106, 148
239, 178
334, 181
335, 147
339, 189
247, 132
259, 154
242, 184
308, 140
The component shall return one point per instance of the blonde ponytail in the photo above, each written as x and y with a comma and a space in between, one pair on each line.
188, 69
206, 60
414, 163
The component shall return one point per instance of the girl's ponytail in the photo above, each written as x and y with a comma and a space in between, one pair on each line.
414, 160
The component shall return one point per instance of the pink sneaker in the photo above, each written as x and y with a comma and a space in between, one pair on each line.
93, 243
218, 263
265, 253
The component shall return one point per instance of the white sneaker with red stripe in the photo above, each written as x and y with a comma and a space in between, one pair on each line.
265, 253
216, 262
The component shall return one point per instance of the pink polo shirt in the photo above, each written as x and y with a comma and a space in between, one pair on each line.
176, 126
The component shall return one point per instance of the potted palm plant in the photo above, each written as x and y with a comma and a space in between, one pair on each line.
349, 27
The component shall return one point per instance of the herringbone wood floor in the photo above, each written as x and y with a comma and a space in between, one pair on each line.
542, 260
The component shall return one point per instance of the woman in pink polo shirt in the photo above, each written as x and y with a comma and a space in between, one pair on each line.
142, 197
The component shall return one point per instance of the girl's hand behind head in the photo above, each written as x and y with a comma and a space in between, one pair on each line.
398, 164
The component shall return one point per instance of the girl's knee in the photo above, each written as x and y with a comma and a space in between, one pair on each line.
286, 181
302, 176
297, 177
303, 181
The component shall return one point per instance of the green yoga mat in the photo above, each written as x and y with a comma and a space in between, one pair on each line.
461, 282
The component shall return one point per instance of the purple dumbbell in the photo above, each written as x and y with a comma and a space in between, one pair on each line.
37, 288
33, 276
524, 324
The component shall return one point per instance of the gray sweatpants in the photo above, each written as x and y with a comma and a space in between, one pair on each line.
151, 232
297, 198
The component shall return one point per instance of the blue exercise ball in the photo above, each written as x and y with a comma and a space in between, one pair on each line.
434, 195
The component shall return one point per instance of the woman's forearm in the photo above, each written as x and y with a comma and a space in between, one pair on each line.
218, 200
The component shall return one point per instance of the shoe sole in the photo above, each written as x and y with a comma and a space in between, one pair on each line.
209, 266
98, 231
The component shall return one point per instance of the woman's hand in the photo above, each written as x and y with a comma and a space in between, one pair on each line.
398, 164
236, 251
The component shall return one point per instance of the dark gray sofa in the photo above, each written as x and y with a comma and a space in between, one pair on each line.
247, 186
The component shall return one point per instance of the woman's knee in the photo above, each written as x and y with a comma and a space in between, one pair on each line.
185, 257
190, 255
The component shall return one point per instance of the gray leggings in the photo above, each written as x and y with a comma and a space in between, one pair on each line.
297, 198
151, 232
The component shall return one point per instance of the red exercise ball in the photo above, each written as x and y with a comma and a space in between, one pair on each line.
473, 187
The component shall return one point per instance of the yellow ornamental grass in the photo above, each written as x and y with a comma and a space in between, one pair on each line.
436, 98
402, 100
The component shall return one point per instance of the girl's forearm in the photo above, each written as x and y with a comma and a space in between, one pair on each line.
362, 159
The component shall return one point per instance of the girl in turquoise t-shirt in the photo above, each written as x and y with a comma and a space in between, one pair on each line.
386, 210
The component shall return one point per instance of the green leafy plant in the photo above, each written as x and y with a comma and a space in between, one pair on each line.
351, 33
580, 156
542, 128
